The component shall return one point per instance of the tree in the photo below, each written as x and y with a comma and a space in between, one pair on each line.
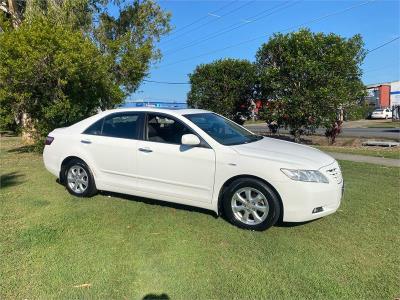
223, 86
54, 75
70, 58
308, 77
12, 13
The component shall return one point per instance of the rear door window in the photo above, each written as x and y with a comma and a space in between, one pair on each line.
119, 125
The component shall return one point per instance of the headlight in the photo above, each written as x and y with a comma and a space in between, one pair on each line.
305, 175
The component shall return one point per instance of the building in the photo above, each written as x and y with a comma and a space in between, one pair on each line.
378, 95
384, 95
395, 99
395, 93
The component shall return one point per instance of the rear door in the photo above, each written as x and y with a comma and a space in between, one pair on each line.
166, 167
112, 143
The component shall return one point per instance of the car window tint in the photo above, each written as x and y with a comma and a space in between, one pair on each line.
222, 130
165, 130
95, 128
122, 126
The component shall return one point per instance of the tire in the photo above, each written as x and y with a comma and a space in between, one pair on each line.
84, 181
268, 201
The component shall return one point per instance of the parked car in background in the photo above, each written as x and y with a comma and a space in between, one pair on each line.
381, 113
198, 158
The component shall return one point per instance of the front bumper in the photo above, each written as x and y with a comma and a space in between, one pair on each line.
305, 201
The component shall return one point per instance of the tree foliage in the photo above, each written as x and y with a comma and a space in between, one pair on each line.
223, 86
307, 77
64, 60
54, 75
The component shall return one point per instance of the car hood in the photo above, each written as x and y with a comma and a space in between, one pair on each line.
291, 155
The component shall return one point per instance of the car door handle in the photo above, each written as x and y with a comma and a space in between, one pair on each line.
86, 142
147, 150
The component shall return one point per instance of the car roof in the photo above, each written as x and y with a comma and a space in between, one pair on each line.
78, 127
177, 112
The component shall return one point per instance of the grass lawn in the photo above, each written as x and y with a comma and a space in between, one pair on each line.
386, 152
387, 124
116, 247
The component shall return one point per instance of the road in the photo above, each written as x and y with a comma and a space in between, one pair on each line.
387, 133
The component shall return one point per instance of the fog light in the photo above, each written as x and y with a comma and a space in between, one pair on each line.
317, 210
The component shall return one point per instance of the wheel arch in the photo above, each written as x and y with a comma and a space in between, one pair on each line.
64, 164
232, 179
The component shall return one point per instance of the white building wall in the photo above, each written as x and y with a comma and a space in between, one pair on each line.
395, 93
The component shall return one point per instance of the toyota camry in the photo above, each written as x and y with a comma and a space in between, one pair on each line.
198, 158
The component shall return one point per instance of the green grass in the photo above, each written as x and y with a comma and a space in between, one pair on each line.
393, 152
388, 124
51, 242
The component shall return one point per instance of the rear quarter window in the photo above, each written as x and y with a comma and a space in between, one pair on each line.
95, 128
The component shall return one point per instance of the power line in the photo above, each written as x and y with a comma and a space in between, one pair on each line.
315, 20
369, 51
165, 82
377, 69
211, 21
254, 18
204, 17
383, 45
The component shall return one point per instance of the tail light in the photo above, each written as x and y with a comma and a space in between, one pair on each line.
49, 140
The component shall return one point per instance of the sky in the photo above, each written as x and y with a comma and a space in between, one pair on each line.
205, 31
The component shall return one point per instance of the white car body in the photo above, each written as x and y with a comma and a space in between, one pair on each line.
383, 113
195, 176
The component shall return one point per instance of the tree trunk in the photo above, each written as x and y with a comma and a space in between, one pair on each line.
13, 11
296, 134
28, 129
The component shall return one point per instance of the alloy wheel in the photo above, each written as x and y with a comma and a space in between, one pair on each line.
249, 206
77, 179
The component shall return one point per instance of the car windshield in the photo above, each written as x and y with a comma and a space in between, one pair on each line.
378, 110
222, 130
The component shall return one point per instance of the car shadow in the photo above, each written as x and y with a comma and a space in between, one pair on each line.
161, 203
293, 224
151, 201
22, 149
11, 179
162, 296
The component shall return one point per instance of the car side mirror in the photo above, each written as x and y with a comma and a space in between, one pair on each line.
190, 140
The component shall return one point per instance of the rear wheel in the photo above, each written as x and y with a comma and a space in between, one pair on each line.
79, 180
251, 204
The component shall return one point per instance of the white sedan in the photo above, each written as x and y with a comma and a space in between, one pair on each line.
383, 113
198, 158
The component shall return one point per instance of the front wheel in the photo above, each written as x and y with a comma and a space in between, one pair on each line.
251, 204
79, 180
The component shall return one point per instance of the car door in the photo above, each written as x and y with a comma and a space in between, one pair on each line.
112, 144
167, 168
